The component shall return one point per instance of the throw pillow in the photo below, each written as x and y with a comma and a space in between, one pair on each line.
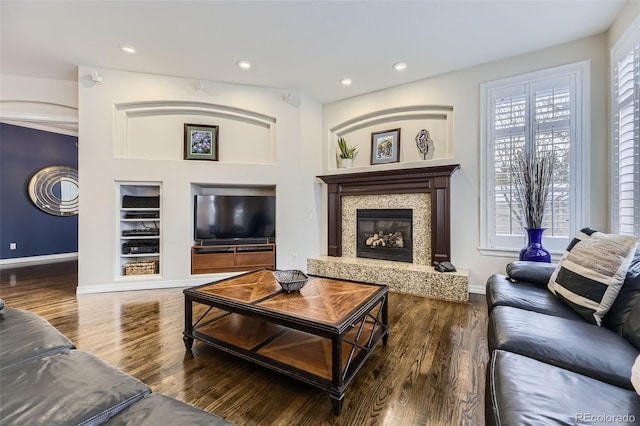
590, 274
635, 375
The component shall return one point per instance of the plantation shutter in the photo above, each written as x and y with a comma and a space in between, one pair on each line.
536, 115
509, 130
554, 100
626, 148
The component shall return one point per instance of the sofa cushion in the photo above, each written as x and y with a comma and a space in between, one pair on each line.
524, 391
25, 335
573, 345
631, 327
536, 273
629, 295
591, 272
501, 291
158, 409
70, 387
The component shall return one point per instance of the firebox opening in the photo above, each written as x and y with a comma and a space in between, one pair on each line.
385, 234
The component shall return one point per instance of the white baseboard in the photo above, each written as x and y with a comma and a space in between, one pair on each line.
35, 260
130, 286
477, 289
135, 283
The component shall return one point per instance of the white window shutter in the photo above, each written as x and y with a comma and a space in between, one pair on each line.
544, 110
626, 146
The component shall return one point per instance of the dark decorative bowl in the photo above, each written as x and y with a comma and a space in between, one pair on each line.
291, 280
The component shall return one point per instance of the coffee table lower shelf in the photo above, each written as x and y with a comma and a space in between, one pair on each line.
298, 354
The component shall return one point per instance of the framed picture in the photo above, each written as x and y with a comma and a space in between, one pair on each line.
385, 147
200, 142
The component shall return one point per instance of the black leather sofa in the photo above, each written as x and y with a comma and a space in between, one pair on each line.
44, 380
547, 365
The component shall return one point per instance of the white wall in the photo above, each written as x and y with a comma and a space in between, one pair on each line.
462, 91
102, 162
628, 14
39, 103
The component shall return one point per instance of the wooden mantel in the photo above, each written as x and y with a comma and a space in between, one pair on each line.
433, 180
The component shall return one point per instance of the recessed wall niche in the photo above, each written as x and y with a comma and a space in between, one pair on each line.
154, 130
437, 119
224, 190
234, 228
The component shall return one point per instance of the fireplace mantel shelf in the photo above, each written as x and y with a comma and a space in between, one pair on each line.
386, 176
434, 180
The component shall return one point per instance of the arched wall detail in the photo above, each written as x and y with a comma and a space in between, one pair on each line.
153, 130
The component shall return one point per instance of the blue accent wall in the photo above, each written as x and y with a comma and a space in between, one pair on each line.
23, 152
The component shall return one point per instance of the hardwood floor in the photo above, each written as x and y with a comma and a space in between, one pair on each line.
432, 372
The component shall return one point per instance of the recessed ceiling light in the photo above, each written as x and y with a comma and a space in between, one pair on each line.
346, 81
127, 48
244, 65
400, 66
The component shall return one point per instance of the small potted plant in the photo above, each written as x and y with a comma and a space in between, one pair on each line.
346, 153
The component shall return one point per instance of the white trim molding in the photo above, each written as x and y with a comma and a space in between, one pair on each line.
139, 283
36, 260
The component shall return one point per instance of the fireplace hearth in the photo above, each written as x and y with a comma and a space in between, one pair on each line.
385, 234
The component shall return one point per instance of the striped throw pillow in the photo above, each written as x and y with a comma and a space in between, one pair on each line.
635, 375
592, 271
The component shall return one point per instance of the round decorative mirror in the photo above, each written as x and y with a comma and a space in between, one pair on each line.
54, 190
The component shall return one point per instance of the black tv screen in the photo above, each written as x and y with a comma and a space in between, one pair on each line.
235, 217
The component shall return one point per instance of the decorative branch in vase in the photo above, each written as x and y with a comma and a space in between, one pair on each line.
532, 174
347, 153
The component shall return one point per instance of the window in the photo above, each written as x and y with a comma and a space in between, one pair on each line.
539, 111
625, 169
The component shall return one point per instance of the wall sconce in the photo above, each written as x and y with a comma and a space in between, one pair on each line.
96, 77
200, 86
286, 96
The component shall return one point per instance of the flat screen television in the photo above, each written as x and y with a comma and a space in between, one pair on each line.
222, 219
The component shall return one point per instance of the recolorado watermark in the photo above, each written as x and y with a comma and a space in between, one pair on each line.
594, 419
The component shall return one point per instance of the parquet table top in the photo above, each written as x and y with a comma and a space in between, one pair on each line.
324, 300
246, 288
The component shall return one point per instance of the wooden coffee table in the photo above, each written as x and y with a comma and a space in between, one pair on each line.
321, 335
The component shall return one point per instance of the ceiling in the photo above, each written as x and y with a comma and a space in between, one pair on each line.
297, 45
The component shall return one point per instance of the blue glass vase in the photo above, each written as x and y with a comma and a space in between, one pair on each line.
534, 251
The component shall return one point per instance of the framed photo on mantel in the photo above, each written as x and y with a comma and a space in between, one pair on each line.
385, 147
200, 142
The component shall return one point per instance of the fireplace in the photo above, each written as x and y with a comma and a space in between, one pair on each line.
434, 181
425, 191
385, 234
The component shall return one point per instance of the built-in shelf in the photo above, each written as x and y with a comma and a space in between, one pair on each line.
139, 255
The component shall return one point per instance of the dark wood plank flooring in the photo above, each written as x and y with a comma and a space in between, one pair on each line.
432, 372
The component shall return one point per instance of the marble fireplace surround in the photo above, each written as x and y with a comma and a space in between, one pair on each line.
419, 203
434, 181
426, 191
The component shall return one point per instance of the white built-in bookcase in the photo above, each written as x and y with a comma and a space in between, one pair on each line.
130, 219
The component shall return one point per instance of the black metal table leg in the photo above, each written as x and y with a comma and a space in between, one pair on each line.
385, 319
188, 342
337, 396
188, 323
336, 402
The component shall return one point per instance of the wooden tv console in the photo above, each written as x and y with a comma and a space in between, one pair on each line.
232, 258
